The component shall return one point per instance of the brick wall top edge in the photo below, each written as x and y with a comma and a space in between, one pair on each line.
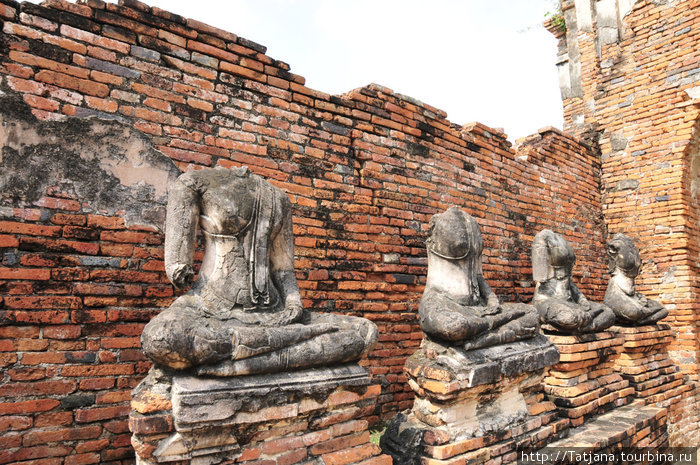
142, 12
386, 90
388, 95
555, 29
135, 10
556, 132
476, 127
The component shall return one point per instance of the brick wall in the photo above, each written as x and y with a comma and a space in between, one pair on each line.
631, 78
365, 171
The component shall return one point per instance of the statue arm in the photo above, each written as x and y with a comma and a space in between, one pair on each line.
180, 229
487, 293
282, 264
577, 296
449, 321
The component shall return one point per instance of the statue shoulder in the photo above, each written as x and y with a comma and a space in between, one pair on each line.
190, 179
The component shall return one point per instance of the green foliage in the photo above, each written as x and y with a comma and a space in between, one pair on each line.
557, 17
376, 432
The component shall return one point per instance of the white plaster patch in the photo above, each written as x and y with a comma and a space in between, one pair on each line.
584, 18
693, 92
564, 78
625, 6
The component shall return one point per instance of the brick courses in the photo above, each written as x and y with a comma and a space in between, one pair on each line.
632, 426
637, 93
301, 427
473, 412
365, 171
584, 382
645, 363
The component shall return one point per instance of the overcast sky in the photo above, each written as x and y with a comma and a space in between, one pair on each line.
479, 60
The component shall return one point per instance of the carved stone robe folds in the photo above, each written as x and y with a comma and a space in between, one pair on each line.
243, 314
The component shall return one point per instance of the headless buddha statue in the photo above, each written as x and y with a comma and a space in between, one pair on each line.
630, 307
243, 314
458, 306
560, 303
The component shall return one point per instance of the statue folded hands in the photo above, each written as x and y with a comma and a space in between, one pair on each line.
243, 314
559, 301
458, 306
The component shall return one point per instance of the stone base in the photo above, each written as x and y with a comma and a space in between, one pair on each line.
310, 416
584, 382
644, 362
475, 406
633, 426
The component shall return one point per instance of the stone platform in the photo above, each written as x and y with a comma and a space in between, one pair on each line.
475, 406
309, 416
644, 362
633, 426
584, 382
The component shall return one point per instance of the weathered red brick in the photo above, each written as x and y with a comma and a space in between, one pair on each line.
99, 414
94, 39
82, 459
39, 388
24, 273
62, 332
96, 384
29, 406
150, 424
66, 434
70, 82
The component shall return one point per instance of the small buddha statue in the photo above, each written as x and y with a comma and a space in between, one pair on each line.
560, 303
630, 307
458, 306
243, 314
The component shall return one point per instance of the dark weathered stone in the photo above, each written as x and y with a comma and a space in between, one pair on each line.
116, 167
630, 307
403, 441
480, 360
243, 314
76, 401
618, 141
458, 306
205, 402
213, 418
111, 68
462, 395
487, 365
561, 304
61, 17
626, 184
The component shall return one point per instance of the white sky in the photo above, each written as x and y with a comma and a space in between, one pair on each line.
479, 60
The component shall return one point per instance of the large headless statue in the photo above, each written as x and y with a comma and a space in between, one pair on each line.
630, 307
458, 305
561, 304
243, 314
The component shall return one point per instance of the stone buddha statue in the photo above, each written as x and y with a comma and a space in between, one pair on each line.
560, 303
630, 307
243, 314
458, 306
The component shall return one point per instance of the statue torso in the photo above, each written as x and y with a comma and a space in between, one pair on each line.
230, 204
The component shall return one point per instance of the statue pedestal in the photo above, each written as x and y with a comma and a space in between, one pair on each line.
644, 362
475, 406
288, 418
584, 382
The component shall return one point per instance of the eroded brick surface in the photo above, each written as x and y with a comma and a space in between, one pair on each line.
633, 85
365, 171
